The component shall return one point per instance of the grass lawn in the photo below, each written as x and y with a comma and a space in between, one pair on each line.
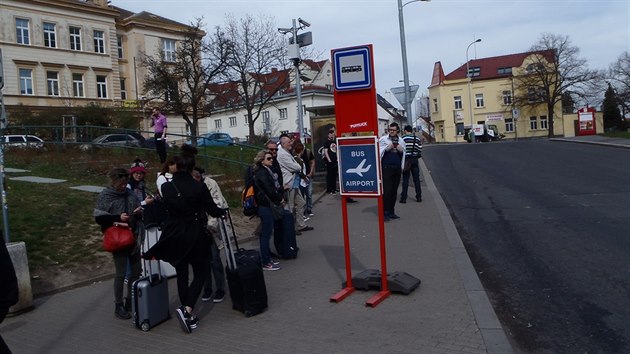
56, 222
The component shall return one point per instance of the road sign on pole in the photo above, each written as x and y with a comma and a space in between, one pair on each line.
359, 172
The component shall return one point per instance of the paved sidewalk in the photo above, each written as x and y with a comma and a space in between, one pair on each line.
596, 140
448, 313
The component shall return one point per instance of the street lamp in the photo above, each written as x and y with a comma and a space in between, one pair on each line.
403, 49
470, 105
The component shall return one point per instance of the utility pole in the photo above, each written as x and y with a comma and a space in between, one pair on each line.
294, 54
3, 126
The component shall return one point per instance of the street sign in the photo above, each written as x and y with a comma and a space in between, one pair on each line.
399, 93
352, 68
359, 168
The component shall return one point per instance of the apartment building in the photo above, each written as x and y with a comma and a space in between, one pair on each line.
71, 53
489, 99
281, 112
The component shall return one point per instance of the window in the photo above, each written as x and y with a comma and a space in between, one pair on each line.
232, 121
283, 113
21, 29
544, 122
217, 123
509, 125
26, 81
101, 86
473, 72
123, 90
535, 67
533, 124
459, 128
435, 105
168, 46
99, 42
266, 122
479, 100
75, 38
77, 85
507, 97
50, 35
52, 83
457, 100
504, 71
171, 93
246, 124
119, 46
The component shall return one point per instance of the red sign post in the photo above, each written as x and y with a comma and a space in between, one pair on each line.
356, 114
586, 121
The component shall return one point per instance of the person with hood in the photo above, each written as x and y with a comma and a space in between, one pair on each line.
185, 240
117, 206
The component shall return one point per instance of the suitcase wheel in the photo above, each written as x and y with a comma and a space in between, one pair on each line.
145, 326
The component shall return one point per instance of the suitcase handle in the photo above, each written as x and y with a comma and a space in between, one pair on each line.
229, 253
144, 232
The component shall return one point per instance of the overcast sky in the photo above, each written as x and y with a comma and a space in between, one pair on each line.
439, 30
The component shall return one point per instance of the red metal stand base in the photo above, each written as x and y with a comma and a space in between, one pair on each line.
376, 299
342, 294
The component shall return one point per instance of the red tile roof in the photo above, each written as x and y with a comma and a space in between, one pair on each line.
489, 66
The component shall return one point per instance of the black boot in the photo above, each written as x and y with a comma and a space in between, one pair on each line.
127, 304
121, 312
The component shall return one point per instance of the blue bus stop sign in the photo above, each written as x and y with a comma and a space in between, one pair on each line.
359, 168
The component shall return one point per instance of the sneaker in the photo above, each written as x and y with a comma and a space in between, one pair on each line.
219, 296
270, 266
192, 321
207, 295
306, 218
403, 201
306, 228
310, 213
393, 216
275, 261
419, 199
350, 200
182, 316
121, 312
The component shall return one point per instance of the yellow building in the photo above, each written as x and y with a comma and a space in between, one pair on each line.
489, 96
70, 53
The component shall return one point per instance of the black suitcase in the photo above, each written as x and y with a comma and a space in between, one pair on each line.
284, 237
149, 297
244, 275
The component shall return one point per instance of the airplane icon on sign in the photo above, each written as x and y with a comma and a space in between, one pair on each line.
359, 169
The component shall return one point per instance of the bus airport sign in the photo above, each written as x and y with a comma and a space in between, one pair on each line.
359, 172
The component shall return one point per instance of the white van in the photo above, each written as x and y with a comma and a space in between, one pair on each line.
22, 141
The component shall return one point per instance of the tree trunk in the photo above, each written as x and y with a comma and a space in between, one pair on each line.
250, 122
550, 114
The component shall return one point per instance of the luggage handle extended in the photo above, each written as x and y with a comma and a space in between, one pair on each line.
145, 237
229, 253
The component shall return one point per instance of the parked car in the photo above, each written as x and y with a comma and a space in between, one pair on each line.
113, 140
22, 141
215, 139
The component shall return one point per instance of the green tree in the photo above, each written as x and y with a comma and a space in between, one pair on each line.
610, 108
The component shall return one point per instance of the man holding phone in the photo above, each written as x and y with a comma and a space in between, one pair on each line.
392, 151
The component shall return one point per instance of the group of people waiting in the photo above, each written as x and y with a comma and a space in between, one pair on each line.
282, 175
186, 239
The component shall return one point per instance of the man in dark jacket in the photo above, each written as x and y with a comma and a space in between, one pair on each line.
9, 291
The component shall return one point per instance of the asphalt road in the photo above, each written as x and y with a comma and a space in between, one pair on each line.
547, 226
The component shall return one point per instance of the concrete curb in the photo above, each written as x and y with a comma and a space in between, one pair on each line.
609, 144
491, 330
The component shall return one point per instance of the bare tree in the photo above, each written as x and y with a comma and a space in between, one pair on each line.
619, 76
257, 68
555, 71
181, 82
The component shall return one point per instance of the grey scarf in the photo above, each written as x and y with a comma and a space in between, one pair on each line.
112, 202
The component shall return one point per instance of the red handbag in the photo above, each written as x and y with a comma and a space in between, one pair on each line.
117, 238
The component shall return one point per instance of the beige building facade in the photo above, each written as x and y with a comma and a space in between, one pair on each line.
489, 99
71, 53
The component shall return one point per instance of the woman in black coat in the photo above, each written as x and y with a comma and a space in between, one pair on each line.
185, 240
268, 190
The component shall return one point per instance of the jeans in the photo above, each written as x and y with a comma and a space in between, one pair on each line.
160, 147
216, 269
308, 194
391, 180
332, 170
121, 259
267, 223
413, 172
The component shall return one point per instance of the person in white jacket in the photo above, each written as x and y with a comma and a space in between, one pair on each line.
290, 169
216, 266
